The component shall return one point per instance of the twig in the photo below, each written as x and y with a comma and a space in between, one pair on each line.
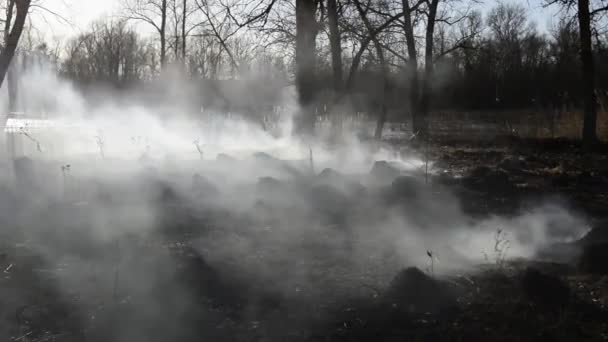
100, 143
426, 163
115, 287
432, 259
312, 162
22, 337
373, 288
467, 279
198, 147
116, 271
65, 170
38, 146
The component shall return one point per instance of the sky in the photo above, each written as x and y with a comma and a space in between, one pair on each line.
81, 13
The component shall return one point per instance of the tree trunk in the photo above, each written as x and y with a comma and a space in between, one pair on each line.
306, 32
336, 46
362, 48
350, 79
412, 68
13, 38
425, 97
586, 55
162, 32
381, 120
12, 84
184, 16
336, 59
13, 91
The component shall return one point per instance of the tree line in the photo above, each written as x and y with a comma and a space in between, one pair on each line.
400, 58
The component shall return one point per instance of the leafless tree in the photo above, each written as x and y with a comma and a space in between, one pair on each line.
590, 100
153, 13
306, 35
427, 12
109, 52
412, 17
12, 39
587, 11
176, 15
12, 85
429, 65
373, 34
184, 19
185, 14
335, 39
219, 25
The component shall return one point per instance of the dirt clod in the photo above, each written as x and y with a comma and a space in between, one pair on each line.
414, 291
544, 289
594, 258
383, 170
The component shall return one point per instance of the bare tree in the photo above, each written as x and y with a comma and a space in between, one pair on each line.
429, 64
373, 34
418, 123
306, 34
154, 13
220, 24
22, 7
185, 14
336, 46
586, 14
183, 19
12, 84
109, 52
590, 100
363, 40
176, 17
427, 12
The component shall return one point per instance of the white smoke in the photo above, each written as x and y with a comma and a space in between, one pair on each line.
122, 150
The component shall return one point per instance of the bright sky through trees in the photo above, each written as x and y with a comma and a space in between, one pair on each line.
82, 12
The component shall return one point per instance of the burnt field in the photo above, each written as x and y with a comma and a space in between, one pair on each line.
501, 242
303, 170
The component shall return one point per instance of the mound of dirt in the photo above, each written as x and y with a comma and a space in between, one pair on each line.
329, 176
330, 202
204, 279
384, 171
416, 292
404, 188
485, 179
342, 182
27, 178
512, 164
225, 158
544, 289
202, 187
594, 258
599, 233
264, 157
268, 162
164, 192
269, 186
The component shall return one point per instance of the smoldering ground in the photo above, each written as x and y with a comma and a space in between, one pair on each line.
154, 226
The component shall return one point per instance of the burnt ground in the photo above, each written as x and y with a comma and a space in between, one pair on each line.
195, 296
523, 170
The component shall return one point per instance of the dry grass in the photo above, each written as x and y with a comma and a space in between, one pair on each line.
531, 123
570, 125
